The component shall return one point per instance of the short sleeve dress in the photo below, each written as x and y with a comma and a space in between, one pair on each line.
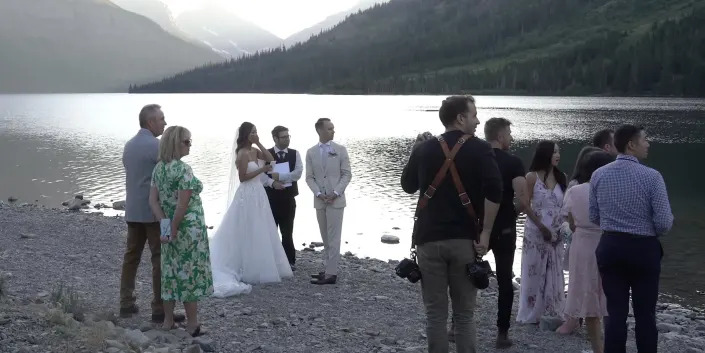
186, 265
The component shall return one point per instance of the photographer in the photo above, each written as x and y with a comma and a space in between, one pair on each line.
446, 236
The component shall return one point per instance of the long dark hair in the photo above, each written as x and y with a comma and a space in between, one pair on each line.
580, 160
243, 135
542, 162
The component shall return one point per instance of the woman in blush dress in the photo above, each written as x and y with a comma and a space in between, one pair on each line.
585, 296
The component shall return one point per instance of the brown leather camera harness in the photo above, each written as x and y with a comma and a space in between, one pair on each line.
449, 164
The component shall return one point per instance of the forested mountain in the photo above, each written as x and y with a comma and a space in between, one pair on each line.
53, 46
619, 47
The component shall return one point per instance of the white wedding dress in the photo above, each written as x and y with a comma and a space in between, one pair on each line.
245, 248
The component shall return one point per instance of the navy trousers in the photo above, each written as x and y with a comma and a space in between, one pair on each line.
630, 262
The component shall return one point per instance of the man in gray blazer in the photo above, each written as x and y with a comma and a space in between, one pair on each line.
327, 175
139, 158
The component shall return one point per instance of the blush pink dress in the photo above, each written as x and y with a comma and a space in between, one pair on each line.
585, 295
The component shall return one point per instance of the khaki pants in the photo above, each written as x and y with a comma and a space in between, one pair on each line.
443, 267
137, 235
330, 223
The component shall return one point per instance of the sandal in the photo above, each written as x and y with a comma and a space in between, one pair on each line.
197, 332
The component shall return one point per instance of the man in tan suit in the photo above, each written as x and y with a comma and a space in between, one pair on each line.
328, 174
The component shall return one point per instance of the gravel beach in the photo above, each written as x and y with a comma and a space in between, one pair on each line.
369, 310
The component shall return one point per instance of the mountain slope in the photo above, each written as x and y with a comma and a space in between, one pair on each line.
154, 10
85, 46
445, 46
225, 32
330, 22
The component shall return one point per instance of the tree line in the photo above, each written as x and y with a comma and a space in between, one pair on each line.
506, 46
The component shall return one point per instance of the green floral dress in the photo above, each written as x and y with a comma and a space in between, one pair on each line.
186, 265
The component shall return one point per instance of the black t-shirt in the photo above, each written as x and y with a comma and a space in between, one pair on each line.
445, 217
510, 167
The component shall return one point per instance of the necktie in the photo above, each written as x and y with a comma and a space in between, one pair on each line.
281, 155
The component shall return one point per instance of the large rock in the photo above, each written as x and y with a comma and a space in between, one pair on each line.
28, 235
666, 318
77, 203
136, 338
119, 205
666, 327
193, 349
550, 323
162, 337
115, 344
206, 344
390, 239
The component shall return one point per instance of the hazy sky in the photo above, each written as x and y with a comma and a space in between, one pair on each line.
281, 17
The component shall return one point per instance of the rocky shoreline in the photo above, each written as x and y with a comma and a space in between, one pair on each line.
59, 283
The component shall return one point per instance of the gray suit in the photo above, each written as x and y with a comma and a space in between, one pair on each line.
328, 173
139, 157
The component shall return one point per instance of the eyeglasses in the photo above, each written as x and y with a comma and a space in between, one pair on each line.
187, 142
284, 137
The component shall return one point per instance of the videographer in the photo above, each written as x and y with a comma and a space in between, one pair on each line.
446, 236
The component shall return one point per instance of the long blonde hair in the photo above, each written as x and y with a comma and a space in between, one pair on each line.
170, 143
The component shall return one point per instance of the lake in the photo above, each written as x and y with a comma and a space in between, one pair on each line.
55, 146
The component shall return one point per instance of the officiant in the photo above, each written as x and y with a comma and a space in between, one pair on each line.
286, 172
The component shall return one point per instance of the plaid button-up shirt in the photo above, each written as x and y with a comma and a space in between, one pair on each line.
628, 197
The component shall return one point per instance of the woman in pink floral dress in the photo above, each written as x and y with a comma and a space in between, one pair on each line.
542, 283
585, 296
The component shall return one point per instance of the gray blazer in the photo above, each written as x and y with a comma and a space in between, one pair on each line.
328, 175
139, 158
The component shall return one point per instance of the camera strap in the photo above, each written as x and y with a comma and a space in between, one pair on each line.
464, 198
449, 164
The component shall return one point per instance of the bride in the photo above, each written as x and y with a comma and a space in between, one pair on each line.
245, 248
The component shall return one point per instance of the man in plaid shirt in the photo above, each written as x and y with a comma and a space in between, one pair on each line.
630, 203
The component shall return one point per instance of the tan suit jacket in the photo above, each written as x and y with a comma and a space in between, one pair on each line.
328, 174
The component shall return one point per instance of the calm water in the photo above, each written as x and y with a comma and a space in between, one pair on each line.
55, 146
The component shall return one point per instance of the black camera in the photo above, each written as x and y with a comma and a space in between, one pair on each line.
479, 273
408, 269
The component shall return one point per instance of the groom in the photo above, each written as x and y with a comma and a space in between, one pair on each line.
281, 195
328, 174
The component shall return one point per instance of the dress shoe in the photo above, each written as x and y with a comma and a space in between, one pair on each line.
159, 318
129, 311
503, 340
293, 267
319, 275
326, 280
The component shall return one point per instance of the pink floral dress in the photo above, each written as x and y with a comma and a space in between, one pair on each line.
542, 282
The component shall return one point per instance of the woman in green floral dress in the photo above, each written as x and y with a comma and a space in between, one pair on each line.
185, 258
